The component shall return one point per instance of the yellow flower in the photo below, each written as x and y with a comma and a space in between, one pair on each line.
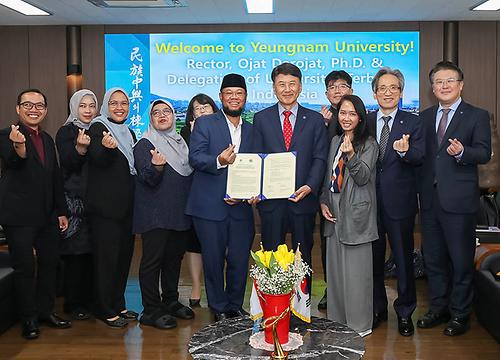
283, 256
264, 257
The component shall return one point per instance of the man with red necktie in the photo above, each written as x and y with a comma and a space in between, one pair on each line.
287, 126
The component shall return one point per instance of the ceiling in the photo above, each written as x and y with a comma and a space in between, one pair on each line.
79, 12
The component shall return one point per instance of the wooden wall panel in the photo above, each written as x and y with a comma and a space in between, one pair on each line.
477, 54
14, 70
47, 64
93, 59
431, 52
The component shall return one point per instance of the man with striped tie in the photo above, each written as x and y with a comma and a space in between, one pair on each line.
401, 150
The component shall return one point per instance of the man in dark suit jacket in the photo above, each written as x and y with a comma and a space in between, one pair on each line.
458, 138
32, 212
338, 83
307, 137
400, 137
225, 227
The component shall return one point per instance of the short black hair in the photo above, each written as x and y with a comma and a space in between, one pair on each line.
201, 99
31, 91
286, 69
445, 65
338, 75
362, 131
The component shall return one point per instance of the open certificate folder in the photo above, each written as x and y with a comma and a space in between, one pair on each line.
268, 176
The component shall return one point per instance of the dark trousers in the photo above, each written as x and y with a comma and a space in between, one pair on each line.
77, 282
225, 244
34, 297
113, 246
275, 225
449, 247
400, 235
162, 252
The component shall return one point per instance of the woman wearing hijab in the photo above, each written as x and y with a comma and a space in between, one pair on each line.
110, 197
163, 183
348, 203
72, 143
199, 105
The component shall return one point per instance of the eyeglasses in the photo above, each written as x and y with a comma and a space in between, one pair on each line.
442, 82
391, 88
340, 87
114, 104
202, 107
239, 94
158, 113
28, 105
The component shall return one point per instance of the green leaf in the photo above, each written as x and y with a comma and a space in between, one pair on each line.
273, 263
258, 261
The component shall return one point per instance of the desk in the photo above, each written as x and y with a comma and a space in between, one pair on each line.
323, 339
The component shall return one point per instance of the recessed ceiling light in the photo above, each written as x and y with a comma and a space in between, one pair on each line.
491, 5
23, 7
259, 6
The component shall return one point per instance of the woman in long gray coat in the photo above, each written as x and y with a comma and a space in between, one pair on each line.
348, 203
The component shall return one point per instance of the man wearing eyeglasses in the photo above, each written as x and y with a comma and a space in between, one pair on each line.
338, 83
32, 212
288, 126
458, 139
401, 150
224, 226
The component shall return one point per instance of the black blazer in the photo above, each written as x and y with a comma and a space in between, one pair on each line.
31, 194
110, 186
396, 175
456, 181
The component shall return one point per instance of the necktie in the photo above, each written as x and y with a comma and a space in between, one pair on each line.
384, 137
287, 129
442, 125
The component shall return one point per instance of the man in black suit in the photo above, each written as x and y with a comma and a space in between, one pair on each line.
458, 138
400, 137
338, 83
32, 212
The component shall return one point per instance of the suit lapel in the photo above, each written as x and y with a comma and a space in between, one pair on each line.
276, 126
245, 134
300, 121
30, 146
223, 129
396, 133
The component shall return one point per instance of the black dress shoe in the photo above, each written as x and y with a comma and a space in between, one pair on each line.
194, 303
378, 318
323, 303
79, 314
221, 316
405, 326
180, 311
431, 319
162, 322
456, 326
129, 315
30, 329
238, 313
119, 323
53, 320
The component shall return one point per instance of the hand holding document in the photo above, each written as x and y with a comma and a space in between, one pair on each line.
266, 176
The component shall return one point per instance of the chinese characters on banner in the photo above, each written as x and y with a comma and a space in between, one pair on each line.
136, 97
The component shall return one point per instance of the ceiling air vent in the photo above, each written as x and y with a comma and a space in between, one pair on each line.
139, 3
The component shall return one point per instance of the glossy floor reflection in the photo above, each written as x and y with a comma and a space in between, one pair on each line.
93, 340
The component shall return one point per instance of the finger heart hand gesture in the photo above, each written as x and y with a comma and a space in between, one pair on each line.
157, 158
108, 141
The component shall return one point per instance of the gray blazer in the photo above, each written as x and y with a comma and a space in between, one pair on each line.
357, 220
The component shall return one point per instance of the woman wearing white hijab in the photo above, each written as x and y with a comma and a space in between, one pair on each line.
72, 142
110, 196
163, 183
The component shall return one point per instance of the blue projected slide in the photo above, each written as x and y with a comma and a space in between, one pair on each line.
179, 66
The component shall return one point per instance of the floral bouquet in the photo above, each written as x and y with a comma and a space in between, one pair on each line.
278, 272
279, 287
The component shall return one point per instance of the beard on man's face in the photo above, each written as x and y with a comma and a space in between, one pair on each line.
233, 113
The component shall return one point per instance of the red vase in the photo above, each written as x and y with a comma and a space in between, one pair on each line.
274, 305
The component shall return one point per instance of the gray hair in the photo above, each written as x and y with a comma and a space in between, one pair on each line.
388, 71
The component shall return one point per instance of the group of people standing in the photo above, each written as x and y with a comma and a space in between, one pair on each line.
364, 172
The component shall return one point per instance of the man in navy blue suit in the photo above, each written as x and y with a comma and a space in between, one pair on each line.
225, 227
458, 138
400, 137
287, 126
